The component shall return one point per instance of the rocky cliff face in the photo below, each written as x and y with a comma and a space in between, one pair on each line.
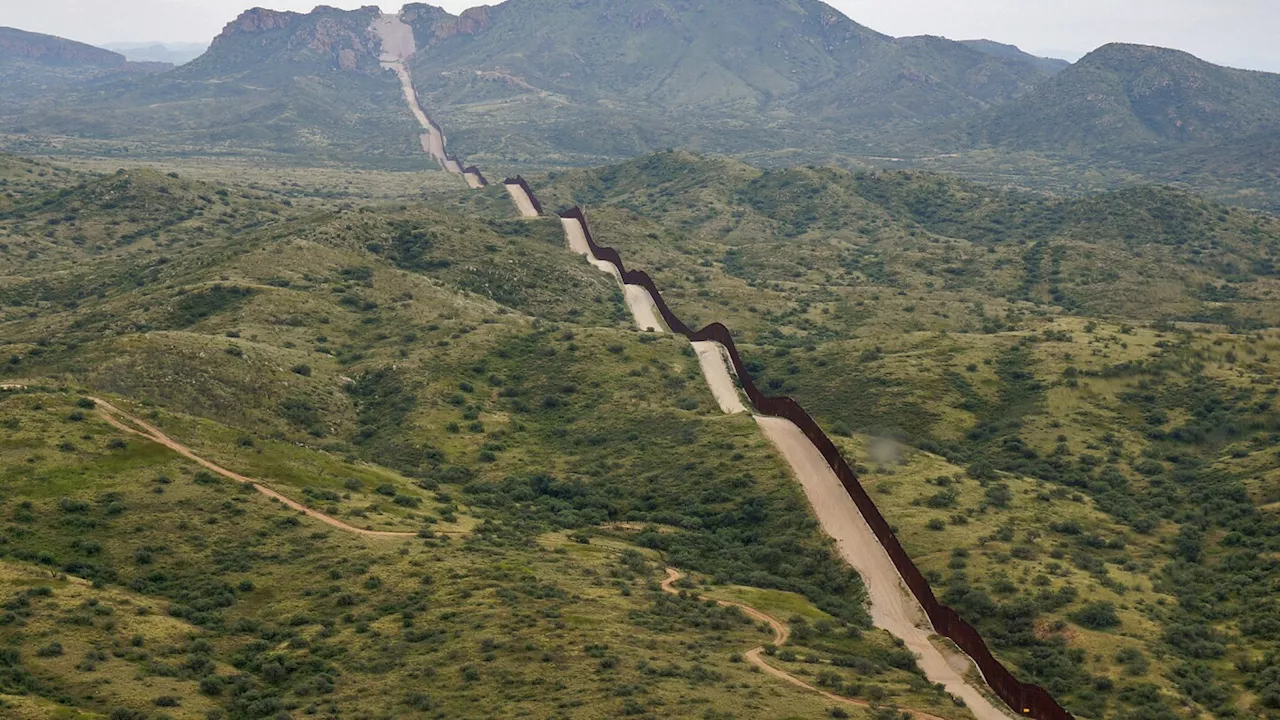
258, 20
337, 38
432, 24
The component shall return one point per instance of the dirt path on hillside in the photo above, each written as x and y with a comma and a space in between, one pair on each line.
110, 412
639, 301
893, 607
716, 371
781, 634
523, 202
398, 46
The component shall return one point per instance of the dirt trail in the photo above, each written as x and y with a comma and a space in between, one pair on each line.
110, 412
893, 607
523, 202
781, 634
398, 46
639, 301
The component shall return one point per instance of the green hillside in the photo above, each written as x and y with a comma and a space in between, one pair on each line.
1063, 404
511, 84
467, 382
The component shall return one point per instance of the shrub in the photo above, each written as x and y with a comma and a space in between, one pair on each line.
53, 649
1097, 616
167, 701
304, 370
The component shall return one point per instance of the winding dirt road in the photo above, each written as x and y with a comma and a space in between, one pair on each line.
111, 414
781, 634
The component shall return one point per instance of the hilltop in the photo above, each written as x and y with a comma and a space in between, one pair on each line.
33, 65
174, 53
1121, 96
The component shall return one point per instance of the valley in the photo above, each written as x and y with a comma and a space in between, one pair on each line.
294, 424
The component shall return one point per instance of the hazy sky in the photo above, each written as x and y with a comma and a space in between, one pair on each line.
1242, 33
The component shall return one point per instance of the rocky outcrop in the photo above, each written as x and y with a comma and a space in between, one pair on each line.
258, 20
339, 38
432, 24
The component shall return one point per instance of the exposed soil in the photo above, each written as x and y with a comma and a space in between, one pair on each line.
716, 371
112, 415
893, 607
639, 302
523, 202
781, 634
398, 46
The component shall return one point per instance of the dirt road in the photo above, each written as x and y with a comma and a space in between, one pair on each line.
112, 415
639, 302
893, 607
716, 371
781, 634
398, 46
523, 202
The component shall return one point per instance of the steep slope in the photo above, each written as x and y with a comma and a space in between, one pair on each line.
50, 50
1126, 95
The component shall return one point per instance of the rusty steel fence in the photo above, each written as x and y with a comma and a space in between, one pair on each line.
1025, 699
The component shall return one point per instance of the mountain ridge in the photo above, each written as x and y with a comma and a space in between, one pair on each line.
1125, 94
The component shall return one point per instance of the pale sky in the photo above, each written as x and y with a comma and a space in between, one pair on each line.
1241, 33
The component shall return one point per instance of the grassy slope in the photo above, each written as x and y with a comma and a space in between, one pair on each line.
1020, 341
336, 357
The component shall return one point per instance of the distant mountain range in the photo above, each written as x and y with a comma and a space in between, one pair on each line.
174, 53
565, 82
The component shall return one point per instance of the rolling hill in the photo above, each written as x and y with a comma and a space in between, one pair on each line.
1063, 404
468, 385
